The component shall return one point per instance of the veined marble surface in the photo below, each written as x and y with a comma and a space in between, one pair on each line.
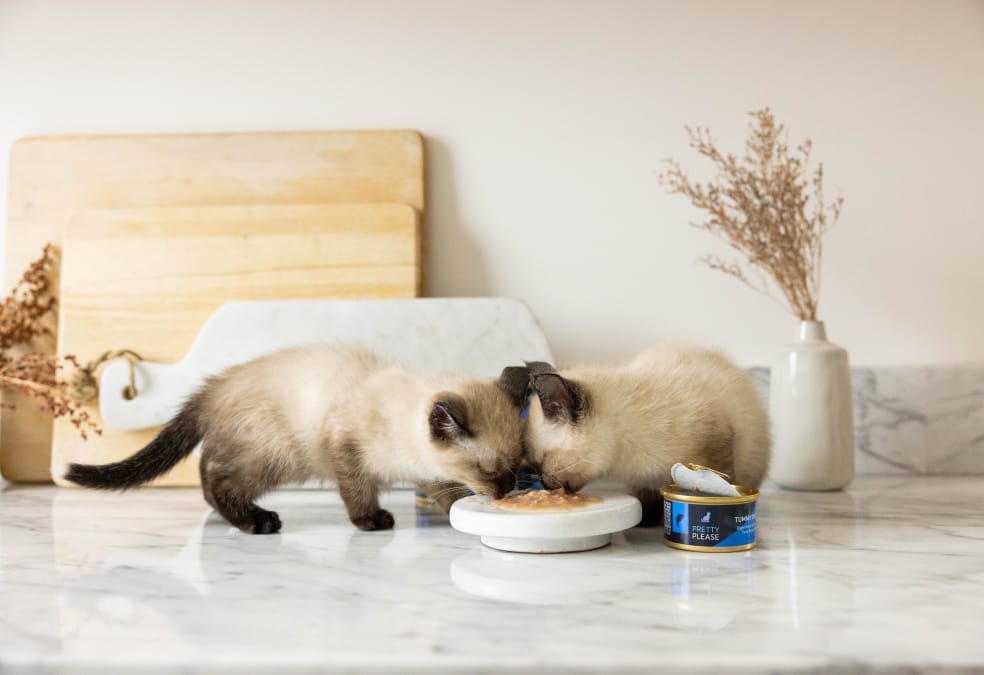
914, 419
884, 576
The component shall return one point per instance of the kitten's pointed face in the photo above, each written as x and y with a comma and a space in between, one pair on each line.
559, 436
478, 437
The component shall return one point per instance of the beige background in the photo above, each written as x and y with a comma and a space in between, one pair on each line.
546, 123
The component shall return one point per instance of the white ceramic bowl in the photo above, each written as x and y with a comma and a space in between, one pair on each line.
546, 530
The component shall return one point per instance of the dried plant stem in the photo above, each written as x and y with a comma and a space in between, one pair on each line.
767, 207
21, 383
22, 315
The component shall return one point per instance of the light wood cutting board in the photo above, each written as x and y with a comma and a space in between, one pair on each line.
53, 177
147, 279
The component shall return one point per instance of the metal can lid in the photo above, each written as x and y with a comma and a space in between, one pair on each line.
676, 493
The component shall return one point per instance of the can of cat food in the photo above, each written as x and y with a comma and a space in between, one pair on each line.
695, 521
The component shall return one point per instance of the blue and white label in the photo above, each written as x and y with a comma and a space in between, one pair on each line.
709, 525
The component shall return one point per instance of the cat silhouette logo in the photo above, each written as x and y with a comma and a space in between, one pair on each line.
706, 518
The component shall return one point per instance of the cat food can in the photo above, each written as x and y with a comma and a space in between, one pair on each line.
694, 521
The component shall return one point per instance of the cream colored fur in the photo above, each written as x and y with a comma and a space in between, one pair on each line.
294, 409
334, 413
672, 403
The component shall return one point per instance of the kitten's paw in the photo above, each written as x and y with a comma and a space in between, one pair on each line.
264, 522
380, 520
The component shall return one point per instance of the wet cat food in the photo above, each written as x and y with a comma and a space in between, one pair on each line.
558, 499
696, 521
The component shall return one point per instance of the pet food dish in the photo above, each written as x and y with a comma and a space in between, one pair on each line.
556, 529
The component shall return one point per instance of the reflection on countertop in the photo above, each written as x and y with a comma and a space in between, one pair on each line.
885, 575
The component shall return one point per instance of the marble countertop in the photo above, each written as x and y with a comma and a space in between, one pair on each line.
888, 574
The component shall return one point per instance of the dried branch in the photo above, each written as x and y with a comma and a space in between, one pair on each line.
22, 311
767, 207
33, 374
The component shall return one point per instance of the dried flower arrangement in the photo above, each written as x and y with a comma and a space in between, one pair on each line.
768, 207
34, 374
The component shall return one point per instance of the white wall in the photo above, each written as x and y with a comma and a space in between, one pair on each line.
546, 123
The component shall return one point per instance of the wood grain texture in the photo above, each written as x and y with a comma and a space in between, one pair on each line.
53, 177
147, 279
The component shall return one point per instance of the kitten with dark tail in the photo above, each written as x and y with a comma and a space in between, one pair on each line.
333, 413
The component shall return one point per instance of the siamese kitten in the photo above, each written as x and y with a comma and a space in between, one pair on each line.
334, 413
672, 403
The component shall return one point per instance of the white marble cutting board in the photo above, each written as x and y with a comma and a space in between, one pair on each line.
476, 335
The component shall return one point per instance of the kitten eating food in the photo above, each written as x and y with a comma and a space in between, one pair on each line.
672, 403
338, 413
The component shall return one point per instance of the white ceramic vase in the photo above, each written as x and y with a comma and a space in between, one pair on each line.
812, 413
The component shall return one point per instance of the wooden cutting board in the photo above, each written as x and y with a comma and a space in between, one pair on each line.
147, 279
53, 177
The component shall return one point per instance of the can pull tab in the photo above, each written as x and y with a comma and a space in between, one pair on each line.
703, 479
701, 467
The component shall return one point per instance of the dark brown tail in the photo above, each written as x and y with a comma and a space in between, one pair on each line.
174, 443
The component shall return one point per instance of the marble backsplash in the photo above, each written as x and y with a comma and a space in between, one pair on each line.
915, 420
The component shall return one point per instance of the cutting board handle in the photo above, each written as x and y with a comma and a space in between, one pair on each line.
479, 336
161, 389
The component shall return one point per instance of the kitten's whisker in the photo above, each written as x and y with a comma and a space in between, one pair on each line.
572, 464
448, 490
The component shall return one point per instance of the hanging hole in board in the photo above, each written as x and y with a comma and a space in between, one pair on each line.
129, 393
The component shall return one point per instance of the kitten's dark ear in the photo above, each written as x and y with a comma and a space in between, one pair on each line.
563, 401
515, 381
449, 418
537, 368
